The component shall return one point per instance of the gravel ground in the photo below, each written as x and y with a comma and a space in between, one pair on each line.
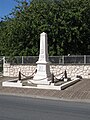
77, 92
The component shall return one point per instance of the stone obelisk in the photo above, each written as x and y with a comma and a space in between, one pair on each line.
43, 75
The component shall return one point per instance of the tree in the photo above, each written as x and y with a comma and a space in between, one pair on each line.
67, 23
76, 20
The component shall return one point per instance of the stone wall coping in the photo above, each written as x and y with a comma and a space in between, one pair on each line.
50, 64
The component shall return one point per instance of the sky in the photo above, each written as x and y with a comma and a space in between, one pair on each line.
6, 7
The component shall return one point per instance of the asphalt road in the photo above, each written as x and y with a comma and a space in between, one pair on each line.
26, 108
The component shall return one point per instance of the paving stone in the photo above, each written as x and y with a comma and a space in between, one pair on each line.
80, 90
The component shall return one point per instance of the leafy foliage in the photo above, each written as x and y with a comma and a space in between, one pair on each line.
67, 23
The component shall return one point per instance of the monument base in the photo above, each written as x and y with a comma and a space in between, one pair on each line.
43, 75
45, 81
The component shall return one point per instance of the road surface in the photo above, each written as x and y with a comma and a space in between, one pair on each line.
26, 108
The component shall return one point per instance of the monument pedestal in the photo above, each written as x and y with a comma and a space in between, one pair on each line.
43, 75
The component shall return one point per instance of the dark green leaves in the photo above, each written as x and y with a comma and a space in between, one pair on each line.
67, 23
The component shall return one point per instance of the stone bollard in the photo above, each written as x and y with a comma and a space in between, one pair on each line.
19, 75
65, 74
52, 78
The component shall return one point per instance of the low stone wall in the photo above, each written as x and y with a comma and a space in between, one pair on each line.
27, 70
13, 70
72, 70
